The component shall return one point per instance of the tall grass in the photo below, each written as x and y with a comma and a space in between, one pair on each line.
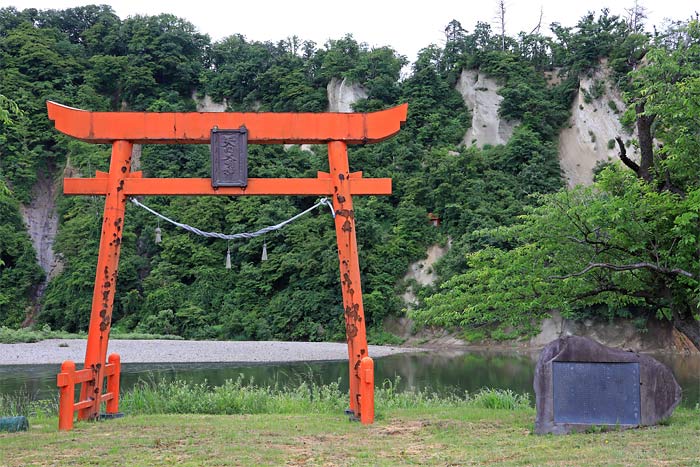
238, 396
22, 403
503, 399
233, 397
241, 396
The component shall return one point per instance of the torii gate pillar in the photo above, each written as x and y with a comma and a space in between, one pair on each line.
355, 329
123, 129
106, 276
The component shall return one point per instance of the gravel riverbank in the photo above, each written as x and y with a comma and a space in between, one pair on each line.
174, 351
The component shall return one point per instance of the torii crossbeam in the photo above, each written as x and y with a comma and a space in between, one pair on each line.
124, 129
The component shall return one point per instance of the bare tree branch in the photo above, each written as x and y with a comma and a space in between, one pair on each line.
613, 288
626, 267
600, 246
536, 29
646, 142
623, 156
502, 22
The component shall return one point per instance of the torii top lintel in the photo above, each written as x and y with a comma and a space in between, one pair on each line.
195, 127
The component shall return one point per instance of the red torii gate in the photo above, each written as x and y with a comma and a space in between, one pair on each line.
124, 129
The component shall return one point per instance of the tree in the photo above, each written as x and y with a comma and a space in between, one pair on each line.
636, 15
581, 48
8, 108
501, 18
617, 249
87, 57
340, 57
75, 22
663, 100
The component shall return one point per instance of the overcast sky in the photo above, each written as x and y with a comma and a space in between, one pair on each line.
406, 25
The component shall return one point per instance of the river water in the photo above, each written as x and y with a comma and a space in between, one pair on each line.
442, 372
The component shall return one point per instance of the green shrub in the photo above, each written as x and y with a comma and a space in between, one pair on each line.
29, 335
144, 336
598, 89
378, 336
587, 97
13, 336
500, 399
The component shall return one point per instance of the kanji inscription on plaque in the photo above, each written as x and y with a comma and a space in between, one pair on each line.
596, 393
229, 157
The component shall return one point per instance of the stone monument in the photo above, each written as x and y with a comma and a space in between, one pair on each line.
580, 383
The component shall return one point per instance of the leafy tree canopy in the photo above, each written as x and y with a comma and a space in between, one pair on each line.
627, 246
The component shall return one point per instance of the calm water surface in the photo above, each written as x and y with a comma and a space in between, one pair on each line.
442, 372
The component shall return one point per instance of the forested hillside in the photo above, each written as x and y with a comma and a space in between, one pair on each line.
520, 244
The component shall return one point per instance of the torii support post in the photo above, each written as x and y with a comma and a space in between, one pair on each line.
355, 330
106, 276
123, 129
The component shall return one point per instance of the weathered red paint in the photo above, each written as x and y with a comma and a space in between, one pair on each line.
115, 362
367, 390
195, 127
135, 186
106, 275
66, 390
123, 129
69, 377
349, 268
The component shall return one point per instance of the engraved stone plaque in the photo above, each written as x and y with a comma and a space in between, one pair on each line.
580, 383
596, 393
229, 157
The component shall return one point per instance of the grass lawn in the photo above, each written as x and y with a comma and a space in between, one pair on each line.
438, 436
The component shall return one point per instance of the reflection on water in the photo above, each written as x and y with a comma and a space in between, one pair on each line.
437, 371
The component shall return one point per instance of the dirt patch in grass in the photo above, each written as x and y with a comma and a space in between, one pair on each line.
399, 427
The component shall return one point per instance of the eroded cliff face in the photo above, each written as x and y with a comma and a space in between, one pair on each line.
41, 219
595, 122
619, 333
587, 139
42, 222
480, 94
342, 94
422, 271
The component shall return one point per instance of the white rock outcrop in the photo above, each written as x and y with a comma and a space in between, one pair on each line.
422, 271
302, 147
342, 94
592, 127
480, 94
206, 104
